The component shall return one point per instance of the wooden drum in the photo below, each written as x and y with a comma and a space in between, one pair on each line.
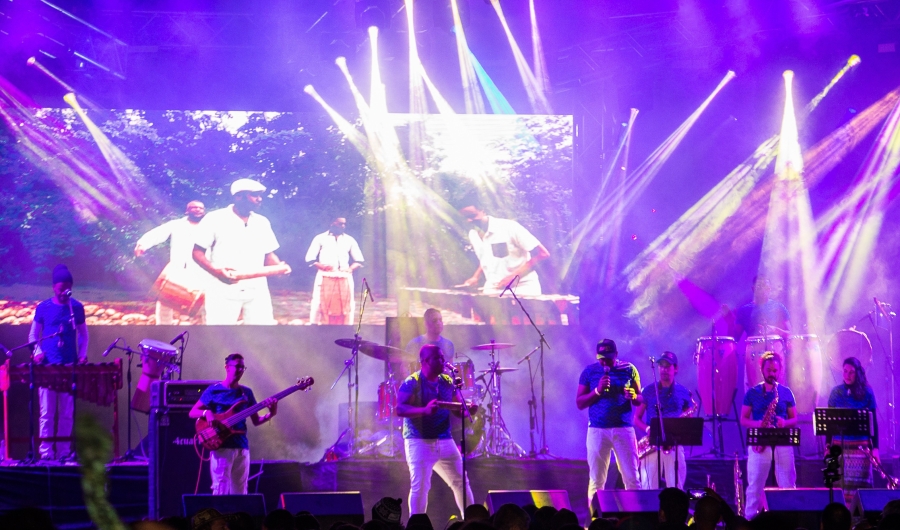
803, 371
756, 346
173, 288
716, 361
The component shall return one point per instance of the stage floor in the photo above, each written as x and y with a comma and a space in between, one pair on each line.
57, 488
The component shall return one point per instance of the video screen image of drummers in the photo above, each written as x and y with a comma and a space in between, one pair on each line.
295, 242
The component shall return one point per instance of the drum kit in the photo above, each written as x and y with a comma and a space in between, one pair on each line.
486, 434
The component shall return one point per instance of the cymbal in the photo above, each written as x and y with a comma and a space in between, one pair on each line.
350, 343
493, 346
499, 370
386, 353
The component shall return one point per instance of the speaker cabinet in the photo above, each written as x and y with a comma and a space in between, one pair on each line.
870, 502
635, 509
174, 462
559, 499
328, 507
253, 503
801, 507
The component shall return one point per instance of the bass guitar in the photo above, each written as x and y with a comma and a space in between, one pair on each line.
212, 434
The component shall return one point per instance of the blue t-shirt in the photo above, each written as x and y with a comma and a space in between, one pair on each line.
841, 397
751, 316
55, 317
437, 425
673, 400
613, 409
219, 398
758, 400
445, 345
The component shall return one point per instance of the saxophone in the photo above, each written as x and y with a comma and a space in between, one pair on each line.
643, 445
739, 498
768, 419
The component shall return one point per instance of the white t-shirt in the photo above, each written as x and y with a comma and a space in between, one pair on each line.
231, 243
183, 234
334, 251
505, 246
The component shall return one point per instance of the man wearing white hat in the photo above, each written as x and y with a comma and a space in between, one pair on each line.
241, 248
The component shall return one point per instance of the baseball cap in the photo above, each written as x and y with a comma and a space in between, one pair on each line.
668, 357
606, 347
250, 185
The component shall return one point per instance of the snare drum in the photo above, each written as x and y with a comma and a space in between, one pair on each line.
718, 352
755, 347
804, 371
334, 298
174, 288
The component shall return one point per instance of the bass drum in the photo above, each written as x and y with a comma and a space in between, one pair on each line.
474, 431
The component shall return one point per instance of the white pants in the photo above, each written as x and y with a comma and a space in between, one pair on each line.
600, 444
223, 307
57, 409
649, 475
758, 465
229, 469
425, 456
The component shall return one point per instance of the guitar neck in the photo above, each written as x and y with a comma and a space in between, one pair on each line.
249, 411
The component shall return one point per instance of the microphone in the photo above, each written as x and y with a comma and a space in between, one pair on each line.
450, 367
880, 307
509, 285
67, 293
180, 337
111, 347
523, 359
652, 360
368, 290
606, 372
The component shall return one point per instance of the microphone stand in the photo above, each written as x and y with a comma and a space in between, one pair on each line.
532, 403
457, 388
662, 430
545, 450
129, 455
74, 384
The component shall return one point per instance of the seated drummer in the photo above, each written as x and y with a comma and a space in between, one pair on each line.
434, 326
762, 316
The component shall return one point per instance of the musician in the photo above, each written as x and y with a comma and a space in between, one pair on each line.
65, 315
332, 252
229, 465
426, 430
762, 316
505, 249
238, 240
760, 406
856, 393
181, 234
674, 400
434, 326
610, 389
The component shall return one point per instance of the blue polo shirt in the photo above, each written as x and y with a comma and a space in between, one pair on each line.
613, 409
758, 400
673, 400
751, 316
219, 398
56, 317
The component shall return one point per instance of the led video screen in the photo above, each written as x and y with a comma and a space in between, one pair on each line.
431, 211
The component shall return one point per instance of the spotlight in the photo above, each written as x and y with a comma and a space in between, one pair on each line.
309, 89
853, 60
788, 75
341, 62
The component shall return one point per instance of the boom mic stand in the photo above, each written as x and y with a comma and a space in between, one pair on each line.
545, 449
457, 389
129, 455
662, 430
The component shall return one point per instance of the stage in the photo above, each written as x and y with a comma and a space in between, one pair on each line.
57, 488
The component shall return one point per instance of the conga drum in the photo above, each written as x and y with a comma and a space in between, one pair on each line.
174, 288
722, 376
755, 347
155, 356
803, 371
334, 298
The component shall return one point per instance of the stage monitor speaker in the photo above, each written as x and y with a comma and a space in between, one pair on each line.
328, 507
635, 509
559, 499
253, 503
869, 502
801, 507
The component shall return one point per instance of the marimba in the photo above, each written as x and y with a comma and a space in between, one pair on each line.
95, 383
560, 309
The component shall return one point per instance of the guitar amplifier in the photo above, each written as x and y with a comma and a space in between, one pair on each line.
176, 394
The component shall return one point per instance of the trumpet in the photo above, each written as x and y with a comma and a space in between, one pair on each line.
892, 482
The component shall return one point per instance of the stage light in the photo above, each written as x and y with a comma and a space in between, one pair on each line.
853, 60
341, 62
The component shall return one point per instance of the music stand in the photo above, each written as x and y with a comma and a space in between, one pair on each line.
843, 422
773, 437
678, 432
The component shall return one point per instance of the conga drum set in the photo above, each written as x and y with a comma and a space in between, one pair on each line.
159, 361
